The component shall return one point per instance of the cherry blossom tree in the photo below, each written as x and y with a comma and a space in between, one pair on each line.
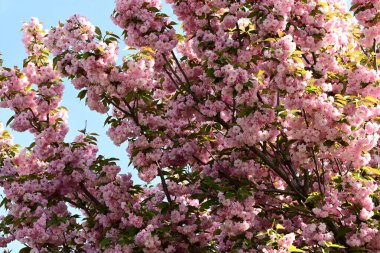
255, 127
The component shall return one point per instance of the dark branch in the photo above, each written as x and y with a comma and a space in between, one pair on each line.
164, 185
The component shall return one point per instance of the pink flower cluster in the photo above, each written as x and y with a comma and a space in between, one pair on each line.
366, 12
144, 25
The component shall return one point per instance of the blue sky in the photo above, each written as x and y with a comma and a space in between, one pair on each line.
12, 14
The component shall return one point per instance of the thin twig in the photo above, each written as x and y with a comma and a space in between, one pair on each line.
181, 69
164, 185
172, 79
374, 48
91, 197
277, 169
234, 107
172, 69
274, 190
239, 35
77, 205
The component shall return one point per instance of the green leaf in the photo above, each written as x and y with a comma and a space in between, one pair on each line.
6, 134
129, 97
313, 89
58, 58
297, 52
82, 94
210, 72
353, 7
313, 197
98, 32
328, 143
31, 146
112, 34
318, 36
333, 245
153, 9
243, 193
10, 120
296, 58
107, 120
270, 40
363, 8
4, 202
316, 11
206, 205
55, 62
25, 62
371, 170
105, 242
363, 85
172, 23
146, 98
164, 207
294, 249
86, 55
217, 231
180, 37
343, 143
25, 250
342, 231
110, 40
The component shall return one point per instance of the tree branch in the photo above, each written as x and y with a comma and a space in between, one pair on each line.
164, 185
374, 48
92, 198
